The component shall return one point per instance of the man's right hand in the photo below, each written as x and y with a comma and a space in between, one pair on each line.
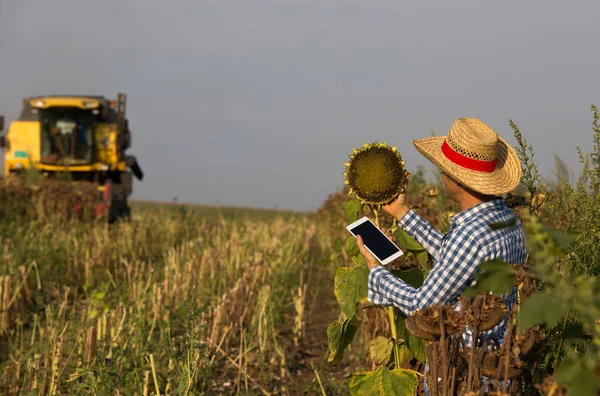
398, 207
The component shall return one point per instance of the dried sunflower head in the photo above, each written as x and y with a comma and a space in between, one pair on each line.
375, 173
428, 320
484, 311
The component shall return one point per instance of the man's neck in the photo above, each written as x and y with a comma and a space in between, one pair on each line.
468, 201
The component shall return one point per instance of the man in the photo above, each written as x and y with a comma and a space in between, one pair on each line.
478, 166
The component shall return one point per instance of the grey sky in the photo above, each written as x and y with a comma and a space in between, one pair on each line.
258, 103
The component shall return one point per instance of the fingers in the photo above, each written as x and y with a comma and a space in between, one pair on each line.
369, 258
360, 244
361, 247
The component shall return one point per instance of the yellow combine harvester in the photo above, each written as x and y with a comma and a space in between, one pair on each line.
84, 136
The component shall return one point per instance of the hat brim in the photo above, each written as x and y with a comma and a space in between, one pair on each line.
505, 178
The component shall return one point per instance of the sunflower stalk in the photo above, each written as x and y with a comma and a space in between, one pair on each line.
394, 336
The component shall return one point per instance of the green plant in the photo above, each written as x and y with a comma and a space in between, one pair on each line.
389, 354
530, 178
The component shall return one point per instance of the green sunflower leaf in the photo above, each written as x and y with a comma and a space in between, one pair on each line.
406, 242
541, 308
383, 381
381, 350
413, 276
353, 210
350, 287
351, 247
339, 336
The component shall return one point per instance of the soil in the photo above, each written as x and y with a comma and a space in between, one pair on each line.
304, 361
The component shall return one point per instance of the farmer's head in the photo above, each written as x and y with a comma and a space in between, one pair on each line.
473, 159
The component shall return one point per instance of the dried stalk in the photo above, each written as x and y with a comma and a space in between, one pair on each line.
444, 353
434, 366
474, 337
507, 365
154, 374
232, 361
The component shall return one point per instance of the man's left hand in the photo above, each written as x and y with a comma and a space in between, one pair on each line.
372, 262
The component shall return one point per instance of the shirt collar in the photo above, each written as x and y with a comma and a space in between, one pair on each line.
465, 215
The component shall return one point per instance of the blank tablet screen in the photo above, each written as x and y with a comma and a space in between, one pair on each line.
375, 240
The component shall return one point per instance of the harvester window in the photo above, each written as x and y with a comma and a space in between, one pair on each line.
66, 126
67, 135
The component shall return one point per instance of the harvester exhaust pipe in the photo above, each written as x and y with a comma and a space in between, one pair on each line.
132, 163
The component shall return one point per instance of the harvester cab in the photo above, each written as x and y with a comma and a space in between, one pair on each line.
85, 137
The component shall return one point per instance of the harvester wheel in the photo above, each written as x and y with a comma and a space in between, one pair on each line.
119, 207
127, 182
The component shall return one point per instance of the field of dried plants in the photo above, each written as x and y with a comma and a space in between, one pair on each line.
179, 301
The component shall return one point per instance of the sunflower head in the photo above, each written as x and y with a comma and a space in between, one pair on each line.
375, 173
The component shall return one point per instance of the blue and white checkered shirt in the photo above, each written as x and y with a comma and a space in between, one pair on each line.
457, 256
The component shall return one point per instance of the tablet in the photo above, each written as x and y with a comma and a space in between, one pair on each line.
375, 240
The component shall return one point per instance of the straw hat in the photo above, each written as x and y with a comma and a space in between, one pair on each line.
475, 156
